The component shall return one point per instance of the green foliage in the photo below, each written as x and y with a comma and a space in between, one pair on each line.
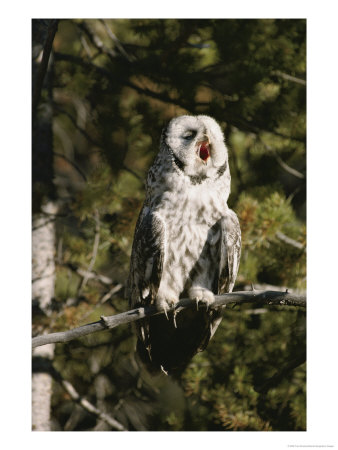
112, 95
247, 351
265, 257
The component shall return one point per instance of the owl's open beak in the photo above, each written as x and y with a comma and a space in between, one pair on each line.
204, 151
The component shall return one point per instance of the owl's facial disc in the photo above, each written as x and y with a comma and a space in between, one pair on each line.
203, 151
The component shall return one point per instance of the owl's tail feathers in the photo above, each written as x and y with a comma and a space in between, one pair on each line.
169, 347
155, 366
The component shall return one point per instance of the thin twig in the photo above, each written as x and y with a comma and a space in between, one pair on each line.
109, 294
107, 281
289, 169
289, 241
103, 299
282, 163
288, 77
234, 298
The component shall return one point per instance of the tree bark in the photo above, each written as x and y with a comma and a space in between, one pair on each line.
44, 208
43, 271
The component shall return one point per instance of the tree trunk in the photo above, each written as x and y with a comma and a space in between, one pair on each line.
44, 210
43, 271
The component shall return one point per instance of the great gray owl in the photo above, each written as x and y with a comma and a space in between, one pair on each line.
187, 242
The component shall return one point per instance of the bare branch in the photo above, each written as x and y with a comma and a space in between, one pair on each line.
289, 241
103, 299
258, 298
289, 169
83, 402
109, 294
282, 163
288, 77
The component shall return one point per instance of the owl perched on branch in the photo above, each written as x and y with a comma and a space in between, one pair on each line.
187, 243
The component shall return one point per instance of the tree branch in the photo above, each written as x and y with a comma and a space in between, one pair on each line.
86, 405
235, 298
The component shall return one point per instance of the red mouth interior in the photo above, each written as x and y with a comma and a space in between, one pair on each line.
204, 151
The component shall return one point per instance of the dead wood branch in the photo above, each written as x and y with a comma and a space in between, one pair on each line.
259, 298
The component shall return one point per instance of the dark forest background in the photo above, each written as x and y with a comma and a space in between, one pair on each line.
110, 87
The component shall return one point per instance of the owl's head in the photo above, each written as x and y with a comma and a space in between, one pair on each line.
196, 143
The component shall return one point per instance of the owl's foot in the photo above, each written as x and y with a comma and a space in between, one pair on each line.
166, 305
201, 295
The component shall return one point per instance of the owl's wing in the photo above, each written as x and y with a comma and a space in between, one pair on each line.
146, 259
230, 252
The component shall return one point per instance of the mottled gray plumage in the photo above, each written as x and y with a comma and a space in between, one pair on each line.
187, 242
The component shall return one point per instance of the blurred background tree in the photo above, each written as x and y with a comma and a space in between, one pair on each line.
114, 85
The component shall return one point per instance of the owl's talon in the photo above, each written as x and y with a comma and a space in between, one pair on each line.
165, 312
174, 318
201, 295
